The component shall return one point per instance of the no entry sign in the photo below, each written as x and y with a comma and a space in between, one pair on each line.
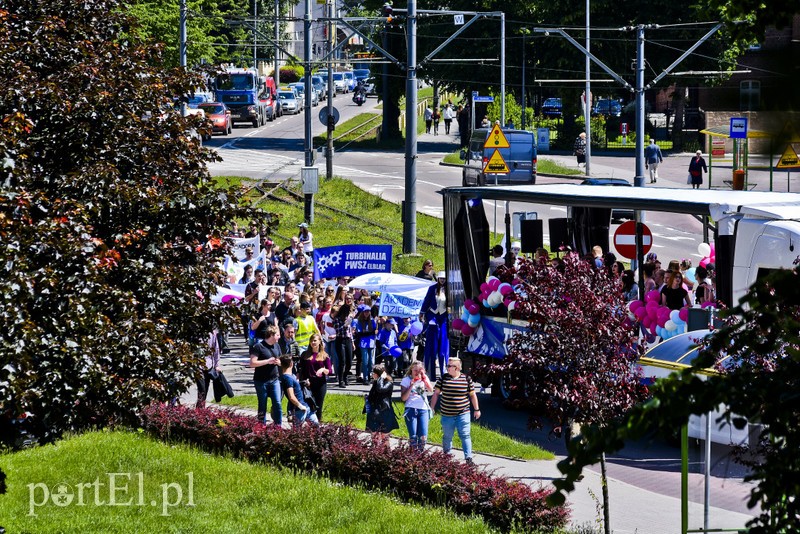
625, 240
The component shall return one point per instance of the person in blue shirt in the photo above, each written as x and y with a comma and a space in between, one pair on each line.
652, 157
405, 340
365, 330
297, 404
388, 338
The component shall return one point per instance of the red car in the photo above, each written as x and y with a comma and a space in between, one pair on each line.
219, 115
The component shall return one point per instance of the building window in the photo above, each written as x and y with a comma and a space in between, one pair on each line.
749, 95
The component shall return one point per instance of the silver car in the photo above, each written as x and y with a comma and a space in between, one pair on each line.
289, 103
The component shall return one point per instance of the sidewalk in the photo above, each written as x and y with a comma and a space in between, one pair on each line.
644, 485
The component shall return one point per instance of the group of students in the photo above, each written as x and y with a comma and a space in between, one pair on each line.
432, 116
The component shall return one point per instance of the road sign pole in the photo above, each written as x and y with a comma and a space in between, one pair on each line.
410, 215
640, 256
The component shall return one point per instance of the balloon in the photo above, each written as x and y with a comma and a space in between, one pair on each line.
505, 289
474, 320
708, 304
416, 328
465, 315
653, 295
673, 315
648, 322
495, 298
640, 313
704, 249
506, 302
684, 314
494, 283
486, 304
690, 275
484, 295
511, 305
635, 305
653, 329
652, 313
467, 330
485, 288
457, 323
704, 262
662, 320
472, 308
652, 305
395, 351
713, 248
670, 326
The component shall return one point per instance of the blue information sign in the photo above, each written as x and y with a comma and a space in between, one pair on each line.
738, 128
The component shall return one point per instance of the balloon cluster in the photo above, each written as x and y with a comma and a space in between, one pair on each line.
493, 294
415, 329
659, 319
708, 252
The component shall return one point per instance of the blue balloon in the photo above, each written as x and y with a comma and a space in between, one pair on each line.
486, 303
395, 351
690, 275
465, 315
416, 328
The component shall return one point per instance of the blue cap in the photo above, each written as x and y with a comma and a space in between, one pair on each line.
362, 308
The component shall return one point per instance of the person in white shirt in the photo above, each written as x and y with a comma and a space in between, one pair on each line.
447, 115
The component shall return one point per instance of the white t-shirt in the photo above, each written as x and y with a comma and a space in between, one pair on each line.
327, 327
415, 396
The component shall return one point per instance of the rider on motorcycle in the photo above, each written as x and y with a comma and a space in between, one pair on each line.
360, 94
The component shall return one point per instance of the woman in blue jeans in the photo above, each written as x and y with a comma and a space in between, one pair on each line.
413, 390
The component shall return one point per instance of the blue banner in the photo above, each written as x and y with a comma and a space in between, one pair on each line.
352, 260
491, 337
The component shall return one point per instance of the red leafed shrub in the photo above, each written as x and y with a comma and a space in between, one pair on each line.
342, 454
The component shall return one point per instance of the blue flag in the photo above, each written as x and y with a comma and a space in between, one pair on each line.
352, 260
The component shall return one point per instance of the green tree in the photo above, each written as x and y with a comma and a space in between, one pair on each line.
759, 383
107, 220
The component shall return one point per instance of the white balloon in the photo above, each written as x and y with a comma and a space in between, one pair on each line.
669, 326
704, 249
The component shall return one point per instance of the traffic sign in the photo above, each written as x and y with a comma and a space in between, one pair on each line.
625, 239
789, 160
496, 164
478, 98
323, 115
496, 139
738, 128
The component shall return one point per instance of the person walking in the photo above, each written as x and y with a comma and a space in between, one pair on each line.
428, 116
464, 125
265, 359
579, 149
652, 158
435, 317
457, 393
344, 339
436, 117
696, 169
413, 389
297, 405
366, 330
447, 116
211, 367
380, 414
315, 365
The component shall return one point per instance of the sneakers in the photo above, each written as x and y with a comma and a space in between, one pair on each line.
469, 461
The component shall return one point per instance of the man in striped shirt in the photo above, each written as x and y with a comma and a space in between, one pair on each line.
457, 393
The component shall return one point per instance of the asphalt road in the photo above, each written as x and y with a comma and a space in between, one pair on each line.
275, 151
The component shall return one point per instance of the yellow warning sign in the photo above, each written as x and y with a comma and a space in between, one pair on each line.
496, 164
496, 139
789, 160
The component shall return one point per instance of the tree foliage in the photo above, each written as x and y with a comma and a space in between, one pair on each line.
760, 382
578, 354
106, 213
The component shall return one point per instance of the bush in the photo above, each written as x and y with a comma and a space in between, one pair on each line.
340, 453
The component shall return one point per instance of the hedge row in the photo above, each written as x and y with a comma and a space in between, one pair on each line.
340, 453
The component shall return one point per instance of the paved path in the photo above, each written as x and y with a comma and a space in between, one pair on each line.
644, 485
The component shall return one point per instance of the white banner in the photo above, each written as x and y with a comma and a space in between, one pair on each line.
407, 304
239, 244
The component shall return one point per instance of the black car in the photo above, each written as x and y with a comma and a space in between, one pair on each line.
616, 215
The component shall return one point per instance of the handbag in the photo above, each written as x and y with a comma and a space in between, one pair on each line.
689, 179
221, 385
309, 397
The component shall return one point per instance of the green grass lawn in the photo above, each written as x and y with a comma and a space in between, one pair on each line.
346, 409
228, 495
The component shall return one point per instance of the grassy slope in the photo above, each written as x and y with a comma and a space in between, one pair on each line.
347, 409
229, 496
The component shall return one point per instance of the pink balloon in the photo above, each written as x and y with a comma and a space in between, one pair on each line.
684, 314
635, 305
468, 302
713, 248
494, 283
653, 295
648, 322
484, 295
506, 302
652, 305
457, 323
472, 308
662, 320
653, 329
505, 289
703, 262
707, 305
652, 313
485, 288
467, 330
640, 313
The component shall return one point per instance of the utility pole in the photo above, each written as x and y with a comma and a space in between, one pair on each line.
587, 105
310, 173
638, 179
410, 203
331, 91
277, 43
503, 69
255, 38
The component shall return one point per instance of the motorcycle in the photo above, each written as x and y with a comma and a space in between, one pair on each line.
359, 97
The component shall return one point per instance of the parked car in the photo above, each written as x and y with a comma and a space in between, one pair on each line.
369, 86
300, 89
361, 74
340, 83
219, 115
616, 215
607, 107
350, 79
320, 87
289, 102
552, 107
